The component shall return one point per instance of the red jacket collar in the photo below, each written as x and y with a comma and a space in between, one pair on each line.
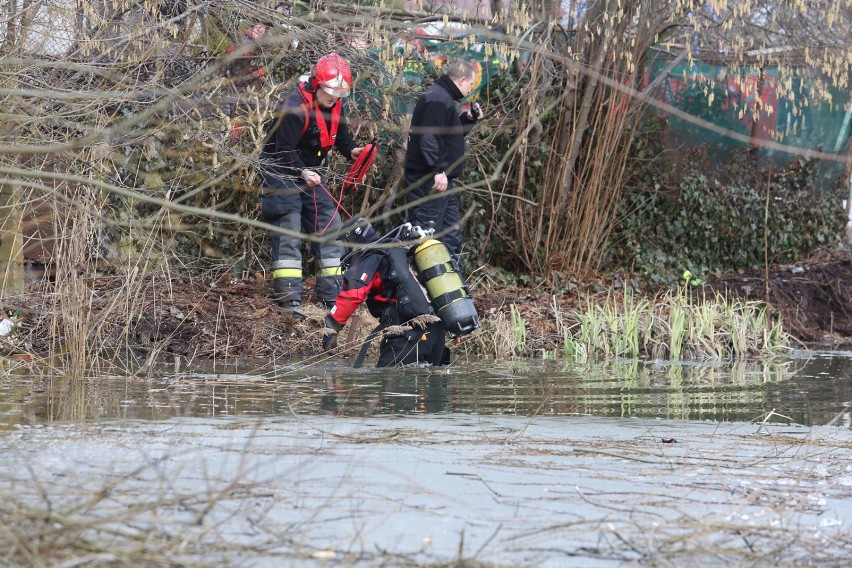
328, 133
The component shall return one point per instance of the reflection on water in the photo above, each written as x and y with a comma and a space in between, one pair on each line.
809, 388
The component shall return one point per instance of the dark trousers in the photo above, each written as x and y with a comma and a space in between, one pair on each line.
443, 210
415, 346
294, 207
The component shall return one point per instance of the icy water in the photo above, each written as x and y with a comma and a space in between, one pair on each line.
495, 464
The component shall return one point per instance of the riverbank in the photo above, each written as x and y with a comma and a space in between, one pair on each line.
228, 318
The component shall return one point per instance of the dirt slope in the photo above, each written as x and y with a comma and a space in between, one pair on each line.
235, 319
813, 297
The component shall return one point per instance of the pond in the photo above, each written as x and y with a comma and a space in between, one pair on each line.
807, 387
523, 463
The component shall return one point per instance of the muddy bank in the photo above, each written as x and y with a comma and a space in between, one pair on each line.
483, 490
233, 318
814, 297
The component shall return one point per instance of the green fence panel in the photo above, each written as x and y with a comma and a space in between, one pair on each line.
786, 110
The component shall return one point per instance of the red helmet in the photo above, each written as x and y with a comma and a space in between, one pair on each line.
332, 75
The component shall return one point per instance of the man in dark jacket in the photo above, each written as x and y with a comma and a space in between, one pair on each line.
435, 153
385, 280
308, 125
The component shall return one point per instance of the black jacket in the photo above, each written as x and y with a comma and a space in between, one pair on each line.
436, 138
287, 151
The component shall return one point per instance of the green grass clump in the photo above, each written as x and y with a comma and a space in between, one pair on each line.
676, 325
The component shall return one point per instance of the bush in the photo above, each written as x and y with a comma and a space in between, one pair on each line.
709, 223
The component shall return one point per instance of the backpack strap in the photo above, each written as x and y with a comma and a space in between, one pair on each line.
307, 103
307, 119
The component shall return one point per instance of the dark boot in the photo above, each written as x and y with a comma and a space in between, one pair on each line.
295, 310
328, 287
286, 297
282, 292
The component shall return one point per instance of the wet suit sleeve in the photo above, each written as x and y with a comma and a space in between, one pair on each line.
349, 299
432, 130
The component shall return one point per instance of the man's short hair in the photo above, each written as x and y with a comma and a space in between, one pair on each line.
460, 68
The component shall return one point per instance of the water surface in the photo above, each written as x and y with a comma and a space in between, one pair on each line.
808, 387
525, 463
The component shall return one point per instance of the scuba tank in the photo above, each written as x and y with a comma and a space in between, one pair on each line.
449, 295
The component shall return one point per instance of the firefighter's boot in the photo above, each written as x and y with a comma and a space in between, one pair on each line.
286, 294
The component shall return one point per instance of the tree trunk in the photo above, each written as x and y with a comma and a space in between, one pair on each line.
552, 10
497, 9
11, 36
11, 213
596, 49
11, 241
849, 198
849, 212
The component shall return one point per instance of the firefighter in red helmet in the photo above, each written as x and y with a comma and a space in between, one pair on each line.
295, 197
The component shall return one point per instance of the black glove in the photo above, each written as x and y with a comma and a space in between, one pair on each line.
329, 339
331, 324
329, 334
